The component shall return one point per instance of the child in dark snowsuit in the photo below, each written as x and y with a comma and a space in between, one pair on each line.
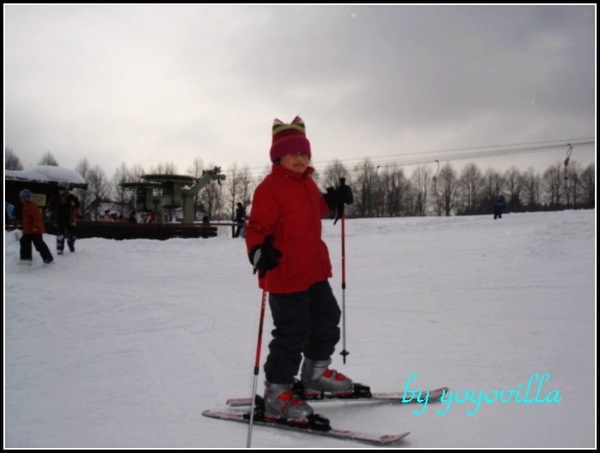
283, 238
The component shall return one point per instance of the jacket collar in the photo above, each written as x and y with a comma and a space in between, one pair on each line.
281, 171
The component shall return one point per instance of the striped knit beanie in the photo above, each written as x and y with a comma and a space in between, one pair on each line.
289, 138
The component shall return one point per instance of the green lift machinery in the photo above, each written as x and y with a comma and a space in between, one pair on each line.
161, 192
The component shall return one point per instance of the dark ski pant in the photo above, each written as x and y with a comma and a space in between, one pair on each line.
239, 230
38, 241
65, 230
306, 323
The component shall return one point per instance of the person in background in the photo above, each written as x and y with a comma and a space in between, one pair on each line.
9, 211
63, 212
240, 218
33, 230
106, 217
498, 209
284, 244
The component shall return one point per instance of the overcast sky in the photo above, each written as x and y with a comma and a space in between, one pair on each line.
154, 84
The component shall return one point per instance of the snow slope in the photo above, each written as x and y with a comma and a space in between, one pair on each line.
125, 343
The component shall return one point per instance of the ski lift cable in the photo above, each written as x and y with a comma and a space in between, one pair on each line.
477, 154
417, 158
484, 150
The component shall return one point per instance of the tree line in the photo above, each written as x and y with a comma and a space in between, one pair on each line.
379, 191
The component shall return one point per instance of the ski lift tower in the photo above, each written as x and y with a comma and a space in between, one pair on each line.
146, 196
178, 191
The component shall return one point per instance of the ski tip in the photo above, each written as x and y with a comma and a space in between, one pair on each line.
438, 393
390, 439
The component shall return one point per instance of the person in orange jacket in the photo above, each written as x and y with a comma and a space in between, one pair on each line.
284, 244
33, 230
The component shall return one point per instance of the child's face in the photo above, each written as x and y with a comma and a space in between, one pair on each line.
297, 162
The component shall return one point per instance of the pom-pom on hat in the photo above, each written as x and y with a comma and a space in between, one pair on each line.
26, 194
289, 138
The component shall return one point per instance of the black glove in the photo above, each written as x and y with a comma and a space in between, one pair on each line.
331, 198
264, 257
345, 193
338, 197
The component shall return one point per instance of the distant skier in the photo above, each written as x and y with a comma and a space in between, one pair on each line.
33, 230
240, 218
64, 207
498, 209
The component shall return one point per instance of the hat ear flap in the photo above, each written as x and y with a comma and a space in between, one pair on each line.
298, 120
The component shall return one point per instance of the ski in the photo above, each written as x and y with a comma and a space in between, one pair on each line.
360, 394
342, 434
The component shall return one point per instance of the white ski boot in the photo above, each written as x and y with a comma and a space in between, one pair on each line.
281, 403
317, 379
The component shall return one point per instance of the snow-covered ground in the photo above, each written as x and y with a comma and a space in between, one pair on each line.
125, 343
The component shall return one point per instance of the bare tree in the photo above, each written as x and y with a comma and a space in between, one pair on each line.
247, 185
48, 159
136, 174
233, 188
514, 184
588, 186
420, 181
124, 198
11, 161
447, 183
393, 192
83, 168
332, 174
469, 190
196, 170
164, 168
211, 197
364, 187
98, 191
572, 185
238, 187
493, 185
552, 182
531, 189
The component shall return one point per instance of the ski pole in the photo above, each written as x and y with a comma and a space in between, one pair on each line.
342, 214
257, 362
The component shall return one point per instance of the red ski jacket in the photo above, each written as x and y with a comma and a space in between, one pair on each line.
289, 206
32, 218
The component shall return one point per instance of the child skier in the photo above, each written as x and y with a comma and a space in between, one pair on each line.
283, 239
33, 230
